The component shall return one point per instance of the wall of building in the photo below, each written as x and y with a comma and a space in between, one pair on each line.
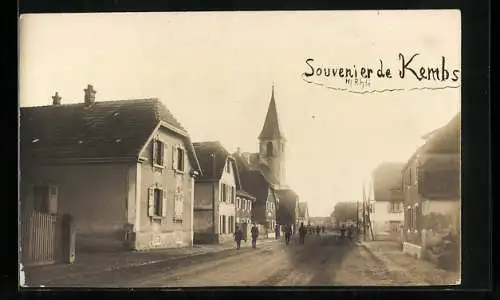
203, 225
96, 195
276, 162
228, 208
382, 217
164, 232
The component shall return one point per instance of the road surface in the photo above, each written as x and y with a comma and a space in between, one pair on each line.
322, 260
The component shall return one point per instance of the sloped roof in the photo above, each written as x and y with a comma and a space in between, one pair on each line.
254, 183
243, 193
287, 195
446, 139
106, 129
386, 177
302, 209
271, 128
204, 151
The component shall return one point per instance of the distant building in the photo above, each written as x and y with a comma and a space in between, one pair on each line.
431, 188
256, 184
244, 205
215, 194
303, 214
123, 169
287, 209
388, 214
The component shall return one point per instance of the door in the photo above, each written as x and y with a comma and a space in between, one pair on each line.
244, 229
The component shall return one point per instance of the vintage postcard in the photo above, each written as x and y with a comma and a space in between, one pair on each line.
200, 149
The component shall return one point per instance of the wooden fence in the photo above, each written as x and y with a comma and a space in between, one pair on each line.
43, 238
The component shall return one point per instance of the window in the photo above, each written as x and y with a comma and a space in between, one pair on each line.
231, 224
157, 205
244, 204
269, 149
232, 194
224, 228
45, 198
249, 205
158, 153
41, 198
224, 192
395, 207
180, 159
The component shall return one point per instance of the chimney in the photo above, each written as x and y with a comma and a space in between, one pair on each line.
89, 95
56, 99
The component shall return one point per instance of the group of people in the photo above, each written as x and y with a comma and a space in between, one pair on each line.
239, 236
287, 231
349, 230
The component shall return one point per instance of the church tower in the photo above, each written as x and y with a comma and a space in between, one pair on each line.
272, 143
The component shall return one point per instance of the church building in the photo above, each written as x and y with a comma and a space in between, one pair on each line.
263, 174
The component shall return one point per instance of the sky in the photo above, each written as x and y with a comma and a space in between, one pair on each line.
215, 70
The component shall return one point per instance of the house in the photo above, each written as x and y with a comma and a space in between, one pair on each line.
303, 214
286, 212
215, 194
431, 187
244, 204
387, 206
256, 184
123, 169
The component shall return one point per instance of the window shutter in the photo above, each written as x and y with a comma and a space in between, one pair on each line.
163, 154
174, 157
151, 201
164, 203
155, 144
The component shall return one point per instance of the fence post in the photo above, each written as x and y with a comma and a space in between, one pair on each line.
68, 238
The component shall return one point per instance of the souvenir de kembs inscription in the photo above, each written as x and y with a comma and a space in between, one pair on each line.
361, 76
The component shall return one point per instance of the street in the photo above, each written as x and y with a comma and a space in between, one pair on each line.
322, 260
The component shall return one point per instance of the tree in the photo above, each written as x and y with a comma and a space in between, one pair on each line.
345, 211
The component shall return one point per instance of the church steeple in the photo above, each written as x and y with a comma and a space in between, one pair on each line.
271, 129
272, 143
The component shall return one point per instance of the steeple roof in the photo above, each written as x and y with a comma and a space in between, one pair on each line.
271, 129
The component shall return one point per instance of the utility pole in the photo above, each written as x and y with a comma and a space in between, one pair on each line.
364, 213
357, 216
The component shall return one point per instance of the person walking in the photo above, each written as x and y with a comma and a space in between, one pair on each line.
302, 233
238, 236
318, 229
277, 231
288, 233
255, 235
323, 229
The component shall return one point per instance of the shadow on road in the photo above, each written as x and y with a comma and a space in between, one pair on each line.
320, 256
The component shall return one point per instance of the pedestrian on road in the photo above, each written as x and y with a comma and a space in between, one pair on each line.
302, 233
255, 234
318, 229
323, 229
277, 231
238, 236
288, 233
